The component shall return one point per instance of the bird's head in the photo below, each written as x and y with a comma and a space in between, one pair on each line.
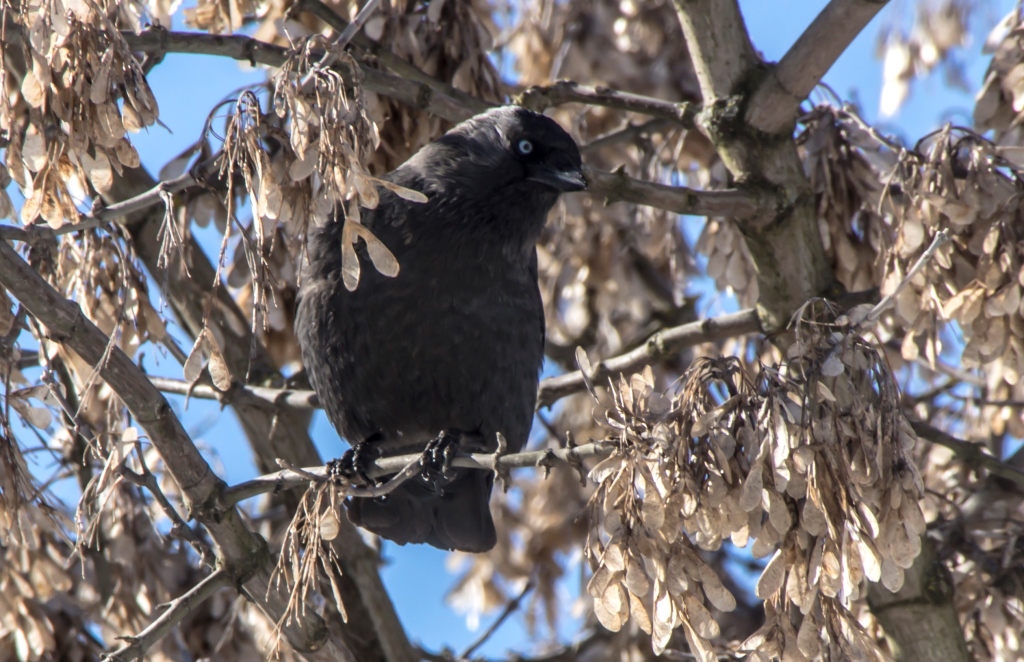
510, 147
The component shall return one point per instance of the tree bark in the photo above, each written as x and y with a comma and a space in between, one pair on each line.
919, 620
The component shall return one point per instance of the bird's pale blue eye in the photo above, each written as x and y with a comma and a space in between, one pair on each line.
524, 146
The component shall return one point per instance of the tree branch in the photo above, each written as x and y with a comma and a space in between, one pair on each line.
509, 609
373, 631
719, 45
920, 621
973, 454
663, 343
158, 41
244, 553
288, 478
176, 611
614, 186
629, 132
617, 186
385, 57
774, 105
784, 242
179, 527
542, 97
103, 215
331, 55
888, 300
240, 394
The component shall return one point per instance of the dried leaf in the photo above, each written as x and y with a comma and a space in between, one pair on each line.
719, 596
750, 497
383, 260
350, 267
330, 526
219, 372
193, 367
833, 365
403, 192
612, 608
772, 577
98, 171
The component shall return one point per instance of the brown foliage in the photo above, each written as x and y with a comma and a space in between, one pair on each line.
799, 447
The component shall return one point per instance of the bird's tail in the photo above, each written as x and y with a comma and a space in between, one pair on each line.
414, 513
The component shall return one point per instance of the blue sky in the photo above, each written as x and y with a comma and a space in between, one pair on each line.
187, 86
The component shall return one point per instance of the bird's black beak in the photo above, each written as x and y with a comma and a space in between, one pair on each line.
566, 179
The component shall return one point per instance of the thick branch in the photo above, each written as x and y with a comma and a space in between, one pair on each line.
774, 106
920, 620
244, 553
785, 241
373, 631
719, 45
176, 611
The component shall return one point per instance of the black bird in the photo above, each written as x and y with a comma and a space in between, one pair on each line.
455, 341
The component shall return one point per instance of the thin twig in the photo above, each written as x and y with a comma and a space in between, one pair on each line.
958, 374
883, 305
629, 132
663, 343
331, 56
104, 215
179, 527
412, 468
297, 399
984, 402
288, 478
385, 57
509, 609
542, 97
175, 611
81, 427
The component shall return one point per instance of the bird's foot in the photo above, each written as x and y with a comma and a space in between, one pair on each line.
436, 462
354, 465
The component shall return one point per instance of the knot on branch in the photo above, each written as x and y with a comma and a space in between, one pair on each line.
501, 472
541, 97
546, 461
574, 460
723, 118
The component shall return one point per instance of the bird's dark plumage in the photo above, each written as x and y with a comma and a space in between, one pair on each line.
455, 340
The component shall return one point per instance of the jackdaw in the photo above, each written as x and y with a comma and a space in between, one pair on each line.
455, 341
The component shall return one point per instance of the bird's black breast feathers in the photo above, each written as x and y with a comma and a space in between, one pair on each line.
455, 340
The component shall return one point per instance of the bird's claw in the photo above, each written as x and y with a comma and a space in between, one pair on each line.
436, 462
354, 465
